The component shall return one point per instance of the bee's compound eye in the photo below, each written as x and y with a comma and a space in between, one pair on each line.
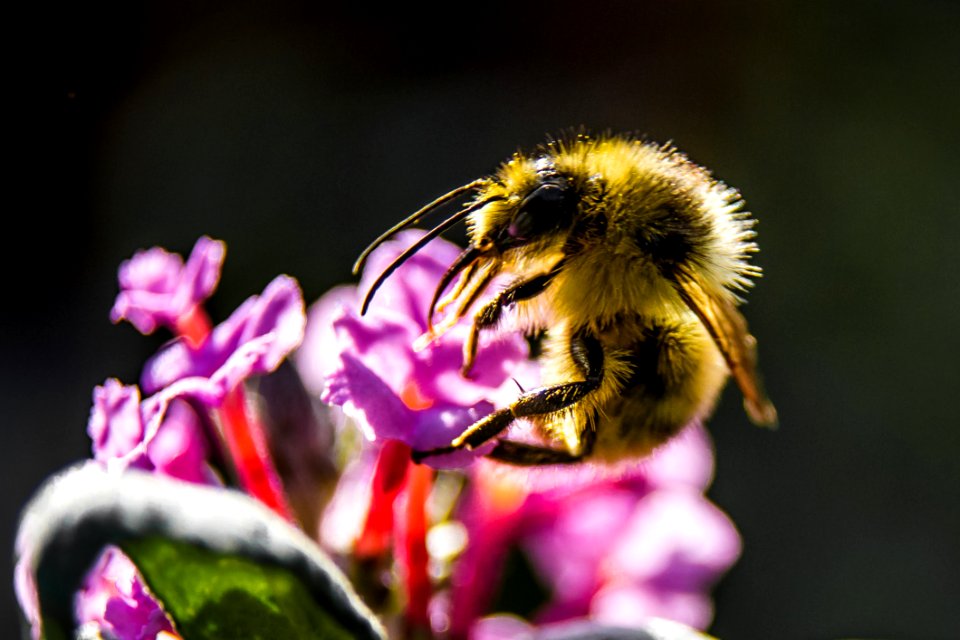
549, 206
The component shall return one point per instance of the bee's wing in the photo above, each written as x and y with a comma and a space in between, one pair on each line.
729, 330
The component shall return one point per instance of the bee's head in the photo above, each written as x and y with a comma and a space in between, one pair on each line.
532, 207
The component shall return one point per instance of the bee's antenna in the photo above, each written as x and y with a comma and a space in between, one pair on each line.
414, 219
419, 244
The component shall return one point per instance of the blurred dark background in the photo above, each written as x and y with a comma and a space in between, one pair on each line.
297, 132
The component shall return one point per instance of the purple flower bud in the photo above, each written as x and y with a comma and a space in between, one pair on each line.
157, 288
115, 425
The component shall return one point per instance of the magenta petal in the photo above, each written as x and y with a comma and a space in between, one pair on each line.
676, 539
125, 430
318, 353
156, 288
571, 539
686, 460
345, 514
620, 550
113, 598
379, 413
115, 426
366, 357
631, 605
397, 317
146, 283
254, 340
502, 628
385, 344
252, 357
136, 616
278, 313
202, 271
438, 427
499, 358
153, 412
491, 525
154, 408
172, 362
382, 345
179, 449
408, 291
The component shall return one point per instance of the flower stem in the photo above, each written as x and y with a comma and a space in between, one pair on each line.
389, 477
394, 473
194, 326
243, 435
412, 554
248, 448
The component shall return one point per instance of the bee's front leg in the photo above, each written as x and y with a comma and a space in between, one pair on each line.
489, 314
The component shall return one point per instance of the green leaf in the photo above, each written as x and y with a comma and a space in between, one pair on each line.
214, 595
221, 564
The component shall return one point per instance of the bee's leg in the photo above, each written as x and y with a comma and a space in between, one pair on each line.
531, 455
490, 313
586, 352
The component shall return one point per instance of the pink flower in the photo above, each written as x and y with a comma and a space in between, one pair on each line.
615, 550
252, 341
158, 289
368, 366
113, 598
161, 434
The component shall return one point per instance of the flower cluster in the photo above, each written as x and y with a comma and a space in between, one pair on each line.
619, 550
473, 544
197, 375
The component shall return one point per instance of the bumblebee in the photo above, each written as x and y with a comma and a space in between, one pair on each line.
630, 259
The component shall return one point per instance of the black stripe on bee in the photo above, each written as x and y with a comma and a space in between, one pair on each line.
653, 361
671, 236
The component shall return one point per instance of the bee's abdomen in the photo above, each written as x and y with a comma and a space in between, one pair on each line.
660, 360
675, 375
